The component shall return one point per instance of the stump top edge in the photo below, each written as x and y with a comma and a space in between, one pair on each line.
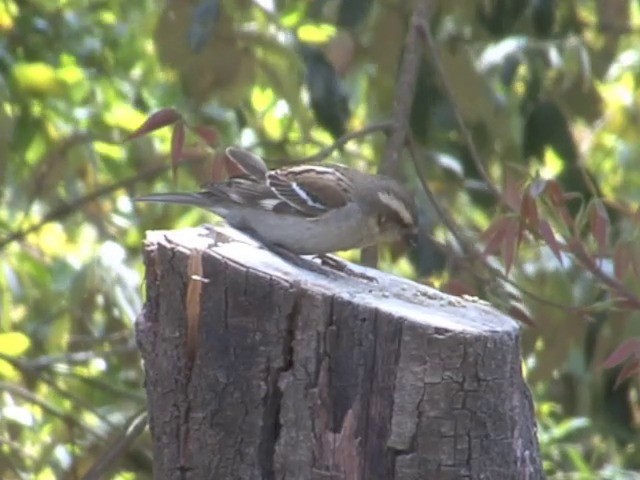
395, 295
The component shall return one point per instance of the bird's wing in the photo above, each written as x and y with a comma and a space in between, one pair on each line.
307, 191
312, 190
246, 191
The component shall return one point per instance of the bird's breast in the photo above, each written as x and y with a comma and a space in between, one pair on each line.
334, 231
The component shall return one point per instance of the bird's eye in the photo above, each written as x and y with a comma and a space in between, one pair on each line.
391, 220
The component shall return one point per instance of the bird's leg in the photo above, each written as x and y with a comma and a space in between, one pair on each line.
327, 265
310, 265
296, 260
285, 254
332, 262
336, 264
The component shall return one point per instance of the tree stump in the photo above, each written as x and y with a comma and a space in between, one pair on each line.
256, 369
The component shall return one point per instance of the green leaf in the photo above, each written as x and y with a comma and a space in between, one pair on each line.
14, 343
316, 33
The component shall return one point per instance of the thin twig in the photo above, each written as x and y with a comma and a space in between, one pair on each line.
578, 250
343, 140
48, 161
405, 88
48, 407
446, 219
133, 428
70, 358
403, 99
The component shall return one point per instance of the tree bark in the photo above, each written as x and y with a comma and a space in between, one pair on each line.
269, 371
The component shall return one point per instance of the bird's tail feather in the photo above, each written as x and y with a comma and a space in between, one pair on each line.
193, 199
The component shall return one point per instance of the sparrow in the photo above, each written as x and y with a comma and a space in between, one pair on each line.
305, 209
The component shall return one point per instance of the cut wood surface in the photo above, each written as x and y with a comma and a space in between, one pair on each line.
256, 369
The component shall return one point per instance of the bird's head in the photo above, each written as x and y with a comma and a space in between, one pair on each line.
395, 212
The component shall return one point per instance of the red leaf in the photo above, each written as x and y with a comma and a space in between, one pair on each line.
210, 135
574, 246
629, 347
233, 169
459, 288
155, 121
218, 168
635, 216
635, 259
510, 244
581, 217
519, 313
503, 233
621, 260
529, 211
177, 144
494, 235
545, 230
512, 193
600, 225
557, 199
521, 229
193, 153
528, 216
629, 370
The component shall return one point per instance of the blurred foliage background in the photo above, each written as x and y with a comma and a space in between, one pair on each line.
548, 90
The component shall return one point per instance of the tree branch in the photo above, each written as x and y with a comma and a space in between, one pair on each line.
70, 208
405, 88
343, 140
402, 102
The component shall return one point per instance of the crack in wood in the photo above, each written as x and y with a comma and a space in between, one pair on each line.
272, 400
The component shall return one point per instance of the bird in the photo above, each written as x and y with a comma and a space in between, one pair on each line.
312, 209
